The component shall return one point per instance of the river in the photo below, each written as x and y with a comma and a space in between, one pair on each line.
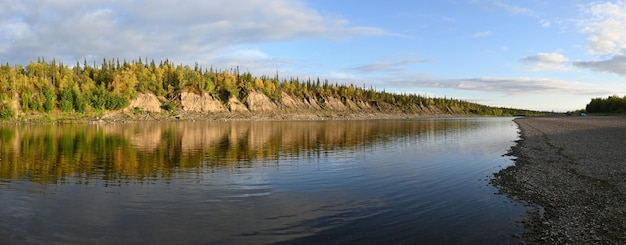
420, 181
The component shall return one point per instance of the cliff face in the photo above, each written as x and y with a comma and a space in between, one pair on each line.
258, 102
255, 106
204, 103
258, 106
146, 102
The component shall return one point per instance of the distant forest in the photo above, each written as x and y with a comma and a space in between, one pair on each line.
612, 104
45, 87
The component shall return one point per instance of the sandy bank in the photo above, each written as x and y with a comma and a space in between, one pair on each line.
573, 169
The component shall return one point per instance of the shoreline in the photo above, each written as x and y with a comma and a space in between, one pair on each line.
126, 117
571, 171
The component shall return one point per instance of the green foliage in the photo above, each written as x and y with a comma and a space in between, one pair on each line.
612, 104
50, 99
6, 111
168, 106
98, 98
207, 85
66, 101
6, 107
25, 98
116, 102
37, 102
102, 99
80, 105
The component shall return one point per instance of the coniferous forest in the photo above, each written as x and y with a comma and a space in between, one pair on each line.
53, 88
611, 104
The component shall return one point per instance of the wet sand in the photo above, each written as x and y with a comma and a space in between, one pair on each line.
572, 171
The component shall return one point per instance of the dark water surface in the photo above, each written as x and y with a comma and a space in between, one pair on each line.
326, 182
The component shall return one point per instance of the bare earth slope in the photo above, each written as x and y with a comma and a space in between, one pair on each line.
257, 106
574, 170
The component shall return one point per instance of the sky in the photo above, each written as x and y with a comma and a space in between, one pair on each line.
550, 55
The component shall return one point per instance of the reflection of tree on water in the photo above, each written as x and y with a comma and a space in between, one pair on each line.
140, 151
51, 153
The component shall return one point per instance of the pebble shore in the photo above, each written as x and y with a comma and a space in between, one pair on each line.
571, 171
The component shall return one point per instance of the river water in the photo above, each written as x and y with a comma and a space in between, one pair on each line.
293, 182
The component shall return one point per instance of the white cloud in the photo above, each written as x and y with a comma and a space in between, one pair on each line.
387, 66
606, 28
524, 86
511, 85
546, 62
189, 30
606, 32
482, 34
553, 58
513, 9
616, 65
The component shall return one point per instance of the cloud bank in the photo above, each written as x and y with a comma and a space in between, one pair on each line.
616, 65
387, 66
523, 86
526, 86
606, 30
192, 30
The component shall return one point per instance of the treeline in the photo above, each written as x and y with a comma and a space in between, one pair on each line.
46, 87
611, 104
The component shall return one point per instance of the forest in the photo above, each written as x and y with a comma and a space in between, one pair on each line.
51, 87
611, 104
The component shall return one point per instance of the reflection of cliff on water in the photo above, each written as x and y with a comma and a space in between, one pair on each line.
139, 151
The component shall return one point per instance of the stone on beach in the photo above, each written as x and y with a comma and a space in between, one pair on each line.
572, 169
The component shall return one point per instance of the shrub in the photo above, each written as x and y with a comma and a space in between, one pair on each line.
26, 97
50, 99
80, 105
168, 106
66, 102
115, 102
6, 111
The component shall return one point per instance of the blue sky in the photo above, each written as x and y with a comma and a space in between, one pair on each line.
534, 54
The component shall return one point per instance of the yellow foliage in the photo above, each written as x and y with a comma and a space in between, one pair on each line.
258, 83
124, 84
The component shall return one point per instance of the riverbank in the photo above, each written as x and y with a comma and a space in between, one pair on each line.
255, 106
572, 170
142, 116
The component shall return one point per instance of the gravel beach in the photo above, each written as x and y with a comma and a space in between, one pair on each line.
572, 171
